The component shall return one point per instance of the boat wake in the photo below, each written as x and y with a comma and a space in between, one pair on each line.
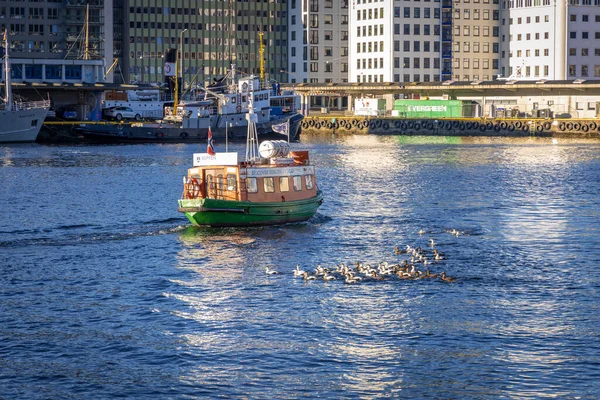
69, 235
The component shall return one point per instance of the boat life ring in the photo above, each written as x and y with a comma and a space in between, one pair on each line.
397, 124
475, 124
385, 126
417, 126
448, 125
305, 124
482, 128
311, 122
193, 188
365, 124
548, 125
317, 125
378, 123
411, 124
525, 127
403, 126
354, 122
456, 124
503, 125
539, 128
461, 126
489, 125
469, 126
518, 124
577, 126
562, 126
569, 126
511, 127
592, 126
584, 128
497, 128
429, 126
372, 125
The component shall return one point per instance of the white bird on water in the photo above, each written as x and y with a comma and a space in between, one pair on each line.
270, 271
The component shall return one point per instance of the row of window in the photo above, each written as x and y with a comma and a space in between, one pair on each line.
189, 11
477, 14
476, 30
283, 184
584, 71
37, 71
417, 46
475, 47
31, 13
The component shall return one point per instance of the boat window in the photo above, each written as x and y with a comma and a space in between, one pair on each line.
209, 181
269, 184
251, 185
309, 181
220, 182
233, 100
297, 183
284, 184
231, 182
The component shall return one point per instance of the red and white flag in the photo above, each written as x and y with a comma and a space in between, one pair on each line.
210, 147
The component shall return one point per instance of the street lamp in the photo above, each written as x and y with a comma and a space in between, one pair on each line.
181, 65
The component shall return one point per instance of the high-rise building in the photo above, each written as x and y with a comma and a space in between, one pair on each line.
390, 42
476, 41
318, 38
554, 40
209, 37
57, 32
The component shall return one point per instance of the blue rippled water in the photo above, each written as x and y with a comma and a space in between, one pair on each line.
105, 291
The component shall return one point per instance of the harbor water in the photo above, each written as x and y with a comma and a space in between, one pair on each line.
106, 291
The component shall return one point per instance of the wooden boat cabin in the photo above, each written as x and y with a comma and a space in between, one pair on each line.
273, 179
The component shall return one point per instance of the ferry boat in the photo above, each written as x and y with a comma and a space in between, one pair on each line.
273, 185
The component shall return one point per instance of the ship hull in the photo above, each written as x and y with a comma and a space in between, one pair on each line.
224, 213
174, 133
21, 126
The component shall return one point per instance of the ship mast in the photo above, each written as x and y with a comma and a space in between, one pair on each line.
261, 54
8, 88
87, 33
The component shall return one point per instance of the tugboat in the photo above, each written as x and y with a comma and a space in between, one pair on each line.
272, 186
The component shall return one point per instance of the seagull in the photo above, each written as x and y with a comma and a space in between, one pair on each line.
269, 271
431, 242
421, 232
298, 272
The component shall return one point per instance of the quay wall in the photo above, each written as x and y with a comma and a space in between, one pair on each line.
583, 128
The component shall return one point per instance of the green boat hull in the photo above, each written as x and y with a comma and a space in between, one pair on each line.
220, 213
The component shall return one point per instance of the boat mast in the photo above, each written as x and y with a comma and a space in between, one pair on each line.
8, 88
86, 55
261, 54
252, 136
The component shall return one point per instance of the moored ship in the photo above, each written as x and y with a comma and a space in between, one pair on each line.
19, 121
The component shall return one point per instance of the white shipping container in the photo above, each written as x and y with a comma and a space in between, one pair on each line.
372, 107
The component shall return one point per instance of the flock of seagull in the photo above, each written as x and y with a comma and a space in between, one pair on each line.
415, 266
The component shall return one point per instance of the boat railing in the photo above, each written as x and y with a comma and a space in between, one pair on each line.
27, 105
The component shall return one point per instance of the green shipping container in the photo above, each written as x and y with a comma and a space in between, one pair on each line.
433, 108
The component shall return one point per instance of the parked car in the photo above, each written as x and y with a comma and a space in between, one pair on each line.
67, 112
120, 113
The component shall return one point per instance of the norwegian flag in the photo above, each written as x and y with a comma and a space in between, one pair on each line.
210, 147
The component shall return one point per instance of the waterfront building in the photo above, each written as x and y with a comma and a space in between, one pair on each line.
47, 40
209, 36
544, 39
390, 42
318, 41
476, 40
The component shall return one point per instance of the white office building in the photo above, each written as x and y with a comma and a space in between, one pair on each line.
414, 52
318, 41
550, 39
